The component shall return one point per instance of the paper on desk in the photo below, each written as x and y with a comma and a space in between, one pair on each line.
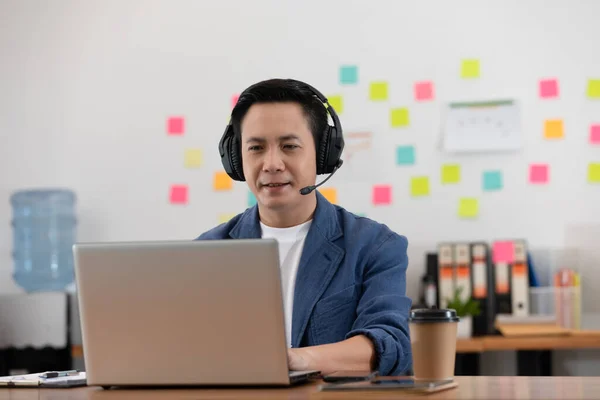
36, 380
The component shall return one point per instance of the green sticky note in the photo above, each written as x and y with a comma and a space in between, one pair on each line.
378, 91
594, 173
251, 199
492, 180
399, 117
337, 103
593, 90
405, 155
348, 74
468, 207
451, 173
419, 186
469, 68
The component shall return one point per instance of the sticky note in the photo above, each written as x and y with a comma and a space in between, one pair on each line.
492, 180
330, 194
399, 117
593, 89
405, 155
423, 91
337, 103
348, 74
450, 173
538, 173
594, 173
548, 88
419, 186
251, 199
175, 125
225, 217
222, 181
178, 194
553, 129
468, 207
469, 68
378, 91
595, 134
193, 158
234, 100
382, 194
503, 252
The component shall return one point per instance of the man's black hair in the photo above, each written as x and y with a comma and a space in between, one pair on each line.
280, 91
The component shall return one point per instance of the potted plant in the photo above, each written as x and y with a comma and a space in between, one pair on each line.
465, 310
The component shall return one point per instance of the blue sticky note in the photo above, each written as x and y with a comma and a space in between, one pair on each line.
348, 74
251, 199
492, 180
405, 155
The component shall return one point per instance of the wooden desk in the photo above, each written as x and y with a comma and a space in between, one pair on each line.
470, 387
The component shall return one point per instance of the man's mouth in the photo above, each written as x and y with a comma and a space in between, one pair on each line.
276, 184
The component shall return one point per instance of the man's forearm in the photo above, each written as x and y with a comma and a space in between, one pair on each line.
354, 354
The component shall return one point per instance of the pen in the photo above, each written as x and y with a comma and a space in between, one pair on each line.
56, 374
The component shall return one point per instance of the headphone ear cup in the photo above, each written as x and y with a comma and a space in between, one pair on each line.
322, 153
236, 159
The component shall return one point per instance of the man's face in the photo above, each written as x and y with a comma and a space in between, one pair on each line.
278, 154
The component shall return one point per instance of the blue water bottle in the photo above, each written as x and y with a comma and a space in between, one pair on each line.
44, 232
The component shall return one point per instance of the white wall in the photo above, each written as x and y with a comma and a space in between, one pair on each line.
86, 87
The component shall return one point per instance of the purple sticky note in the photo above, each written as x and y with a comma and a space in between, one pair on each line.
548, 88
175, 126
595, 134
234, 100
382, 194
179, 194
423, 91
538, 173
504, 252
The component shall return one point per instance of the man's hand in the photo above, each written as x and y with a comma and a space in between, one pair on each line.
298, 360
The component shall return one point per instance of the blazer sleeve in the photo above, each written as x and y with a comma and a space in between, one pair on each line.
383, 309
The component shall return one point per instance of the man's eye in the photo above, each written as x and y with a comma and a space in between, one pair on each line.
290, 146
253, 148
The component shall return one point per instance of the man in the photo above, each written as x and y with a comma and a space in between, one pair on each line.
343, 276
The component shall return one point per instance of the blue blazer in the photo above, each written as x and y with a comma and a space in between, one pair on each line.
351, 280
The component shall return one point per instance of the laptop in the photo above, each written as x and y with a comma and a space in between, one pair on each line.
189, 313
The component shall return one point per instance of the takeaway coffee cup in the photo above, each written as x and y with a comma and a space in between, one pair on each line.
433, 343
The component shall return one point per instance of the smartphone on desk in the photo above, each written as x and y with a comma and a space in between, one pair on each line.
409, 383
350, 376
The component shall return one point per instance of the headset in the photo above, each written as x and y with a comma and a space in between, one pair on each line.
329, 150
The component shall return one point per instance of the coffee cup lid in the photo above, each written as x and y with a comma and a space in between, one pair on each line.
433, 315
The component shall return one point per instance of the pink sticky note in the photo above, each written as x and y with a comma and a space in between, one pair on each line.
595, 134
382, 194
548, 88
538, 173
504, 252
179, 194
234, 100
423, 91
175, 126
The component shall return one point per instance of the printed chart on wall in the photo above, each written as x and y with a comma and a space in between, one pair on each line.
482, 126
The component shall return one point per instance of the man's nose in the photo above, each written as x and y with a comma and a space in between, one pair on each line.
273, 161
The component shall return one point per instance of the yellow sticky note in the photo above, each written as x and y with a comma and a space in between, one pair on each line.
193, 158
468, 207
378, 91
593, 90
225, 217
451, 173
553, 129
419, 186
337, 103
330, 194
399, 117
594, 173
222, 181
469, 68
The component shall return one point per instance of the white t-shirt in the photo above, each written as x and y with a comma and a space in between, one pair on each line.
290, 242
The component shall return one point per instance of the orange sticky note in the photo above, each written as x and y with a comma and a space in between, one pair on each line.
330, 194
222, 181
553, 129
178, 194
